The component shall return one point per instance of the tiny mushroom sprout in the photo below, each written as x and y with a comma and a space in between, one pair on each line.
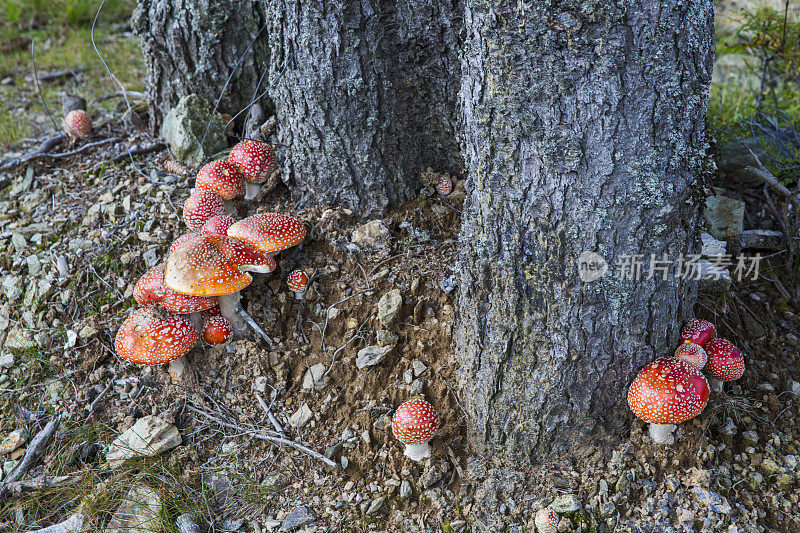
667, 392
297, 282
151, 289
150, 337
725, 362
256, 160
445, 186
200, 207
77, 123
222, 178
546, 520
692, 353
216, 330
415, 423
217, 225
269, 232
698, 331
215, 265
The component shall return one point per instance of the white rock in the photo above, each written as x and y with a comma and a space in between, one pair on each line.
7, 360
139, 511
373, 233
314, 378
149, 436
301, 417
389, 307
372, 355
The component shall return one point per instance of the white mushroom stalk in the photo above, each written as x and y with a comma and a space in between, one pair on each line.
662, 433
417, 452
251, 190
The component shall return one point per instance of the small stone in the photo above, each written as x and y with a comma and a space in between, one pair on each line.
260, 384
6, 360
150, 257
301, 417
566, 503
729, 428
771, 467
19, 242
314, 378
300, 516
34, 265
376, 505
14, 440
12, 287
712, 500
373, 233
332, 313
149, 436
87, 332
750, 436
405, 489
408, 376
784, 482
372, 355
19, 338
417, 386
72, 339
419, 367
386, 337
794, 387
383, 422
389, 307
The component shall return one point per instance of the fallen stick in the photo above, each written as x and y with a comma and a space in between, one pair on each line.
139, 151
83, 148
47, 144
272, 419
18, 488
36, 446
58, 74
252, 323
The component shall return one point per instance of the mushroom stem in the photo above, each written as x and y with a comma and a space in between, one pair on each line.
300, 295
230, 209
228, 305
197, 320
715, 384
662, 433
178, 369
251, 190
418, 452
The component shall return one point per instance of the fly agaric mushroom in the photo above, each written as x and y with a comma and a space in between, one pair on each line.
297, 282
698, 331
546, 520
148, 337
256, 160
222, 178
216, 330
150, 289
215, 265
692, 353
415, 423
78, 123
725, 362
269, 232
200, 207
667, 392
217, 225
445, 186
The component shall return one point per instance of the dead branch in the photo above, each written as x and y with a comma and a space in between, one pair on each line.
18, 488
47, 144
36, 446
59, 74
155, 147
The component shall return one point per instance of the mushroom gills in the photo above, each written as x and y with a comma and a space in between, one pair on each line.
251, 190
662, 433
418, 452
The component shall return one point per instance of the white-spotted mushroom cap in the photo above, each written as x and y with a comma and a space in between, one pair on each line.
255, 159
78, 123
692, 353
222, 178
269, 232
445, 186
151, 289
200, 207
698, 331
217, 225
216, 330
213, 265
546, 520
150, 338
668, 391
725, 361
415, 422
297, 281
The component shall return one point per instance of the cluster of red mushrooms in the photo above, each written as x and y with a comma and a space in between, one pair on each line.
672, 390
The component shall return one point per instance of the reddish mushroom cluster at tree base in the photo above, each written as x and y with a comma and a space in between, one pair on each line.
256, 160
667, 392
415, 423
77, 124
546, 520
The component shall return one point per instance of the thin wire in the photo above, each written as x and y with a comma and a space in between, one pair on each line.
39, 87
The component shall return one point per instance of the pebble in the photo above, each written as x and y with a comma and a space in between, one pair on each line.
712, 500
389, 307
260, 384
301, 417
149, 436
566, 503
13, 441
405, 489
372, 355
314, 378
7, 360
376, 505
34, 265
298, 517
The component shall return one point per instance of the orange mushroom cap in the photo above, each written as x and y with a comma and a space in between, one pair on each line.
255, 159
217, 225
216, 330
668, 391
151, 289
149, 338
78, 123
269, 232
546, 520
213, 265
202, 206
692, 353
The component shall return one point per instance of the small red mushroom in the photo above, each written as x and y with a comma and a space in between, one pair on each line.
415, 423
546, 520
445, 186
256, 160
725, 362
216, 330
200, 207
297, 282
217, 225
269, 232
667, 392
151, 338
222, 178
698, 331
77, 123
692, 353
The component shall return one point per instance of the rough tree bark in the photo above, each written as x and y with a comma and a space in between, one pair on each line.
584, 131
369, 95
192, 47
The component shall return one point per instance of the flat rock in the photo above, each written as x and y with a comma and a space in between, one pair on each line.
372, 355
299, 517
184, 127
149, 436
389, 307
139, 512
314, 378
301, 417
724, 216
566, 503
712, 500
19, 338
14, 440
373, 233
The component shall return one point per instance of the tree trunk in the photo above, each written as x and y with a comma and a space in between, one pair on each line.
192, 47
369, 95
584, 131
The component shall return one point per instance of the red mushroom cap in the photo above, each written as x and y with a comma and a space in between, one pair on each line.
668, 391
217, 225
725, 361
200, 207
415, 422
297, 281
150, 289
269, 232
211, 311
255, 159
213, 265
180, 240
78, 123
445, 186
216, 330
698, 331
692, 353
222, 178
148, 338
546, 520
